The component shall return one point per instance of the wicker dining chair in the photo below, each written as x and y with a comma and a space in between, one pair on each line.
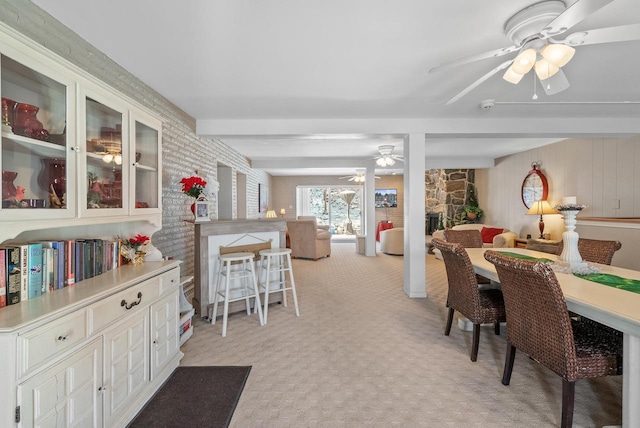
468, 239
596, 250
464, 295
539, 325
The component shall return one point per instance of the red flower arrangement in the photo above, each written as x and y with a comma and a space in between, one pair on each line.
193, 186
134, 249
137, 241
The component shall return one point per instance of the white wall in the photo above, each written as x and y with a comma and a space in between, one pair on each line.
598, 171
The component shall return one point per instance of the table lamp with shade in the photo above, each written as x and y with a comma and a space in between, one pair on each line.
282, 212
541, 207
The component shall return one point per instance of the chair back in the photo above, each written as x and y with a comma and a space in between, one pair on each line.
538, 322
468, 238
463, 294
598, 251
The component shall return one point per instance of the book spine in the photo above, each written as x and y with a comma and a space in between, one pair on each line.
34, 260
69, 262
44, 274
58, 247
47, 266
24, 273
3, 278
14, 275
97, 265
48, 279
79, 260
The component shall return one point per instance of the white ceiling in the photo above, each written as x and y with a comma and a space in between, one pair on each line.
289, 83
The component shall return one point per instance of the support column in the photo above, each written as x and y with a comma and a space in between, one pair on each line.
370, 209
414, 214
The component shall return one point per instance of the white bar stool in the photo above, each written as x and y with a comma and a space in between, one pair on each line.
248, 289
277, 261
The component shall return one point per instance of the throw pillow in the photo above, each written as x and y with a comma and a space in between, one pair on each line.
488, 233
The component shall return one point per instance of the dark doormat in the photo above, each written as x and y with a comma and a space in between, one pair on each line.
195, 397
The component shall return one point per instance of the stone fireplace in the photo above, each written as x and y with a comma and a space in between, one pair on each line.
447, 192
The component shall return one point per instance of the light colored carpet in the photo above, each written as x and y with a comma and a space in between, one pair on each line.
362, 354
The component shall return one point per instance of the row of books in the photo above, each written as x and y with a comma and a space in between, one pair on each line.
32, 269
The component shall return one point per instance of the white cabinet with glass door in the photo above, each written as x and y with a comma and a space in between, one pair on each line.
74, 153
37, 161
146, 152
104, 130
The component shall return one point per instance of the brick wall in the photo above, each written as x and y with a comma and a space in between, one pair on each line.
183, 151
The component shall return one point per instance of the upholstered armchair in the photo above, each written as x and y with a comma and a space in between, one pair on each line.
312, 217
307, 240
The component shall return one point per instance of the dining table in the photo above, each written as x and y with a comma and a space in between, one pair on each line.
608, 305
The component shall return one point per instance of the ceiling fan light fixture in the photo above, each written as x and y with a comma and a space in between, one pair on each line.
511, 76
524, 61
557, 54
544, 69
385, 160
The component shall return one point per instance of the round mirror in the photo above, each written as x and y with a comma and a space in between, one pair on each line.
534, 186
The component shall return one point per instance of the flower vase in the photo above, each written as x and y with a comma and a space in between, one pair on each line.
131, 256
138, 259
8, 188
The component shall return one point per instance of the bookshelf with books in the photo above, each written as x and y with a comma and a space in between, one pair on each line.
46, 266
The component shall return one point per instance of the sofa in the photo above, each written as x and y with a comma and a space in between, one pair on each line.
493, 237
307, 240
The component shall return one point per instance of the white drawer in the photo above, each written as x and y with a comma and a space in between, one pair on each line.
43, 344
169, 280
126, 302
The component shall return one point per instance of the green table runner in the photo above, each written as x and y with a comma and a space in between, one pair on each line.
607, 279
616, 281
525, 257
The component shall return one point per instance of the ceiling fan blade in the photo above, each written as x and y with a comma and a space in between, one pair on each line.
572, 15
473, 58
555, 84
623, 33
478, 82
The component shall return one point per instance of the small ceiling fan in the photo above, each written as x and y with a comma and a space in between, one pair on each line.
386, 156
532, 30
358, 177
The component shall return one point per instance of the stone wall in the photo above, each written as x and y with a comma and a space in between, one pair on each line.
447, 192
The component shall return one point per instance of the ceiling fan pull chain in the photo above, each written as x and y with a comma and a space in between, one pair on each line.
535, 96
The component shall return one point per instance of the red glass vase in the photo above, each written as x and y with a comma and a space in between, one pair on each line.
8, 188
26, 123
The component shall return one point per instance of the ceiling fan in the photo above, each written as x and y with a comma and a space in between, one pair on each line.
358, 177
386, 156
533, 31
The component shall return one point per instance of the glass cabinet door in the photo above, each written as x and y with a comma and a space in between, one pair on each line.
145, 135
35, 166
106, 154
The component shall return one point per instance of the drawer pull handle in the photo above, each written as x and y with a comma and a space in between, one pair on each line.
63, 338
132, 304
